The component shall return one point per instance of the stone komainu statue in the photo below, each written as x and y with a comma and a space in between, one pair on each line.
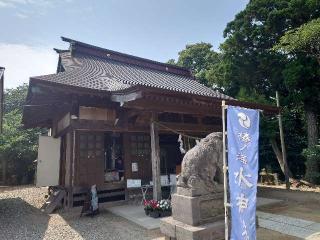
202, 166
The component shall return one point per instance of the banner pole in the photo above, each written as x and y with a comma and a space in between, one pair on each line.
225, 186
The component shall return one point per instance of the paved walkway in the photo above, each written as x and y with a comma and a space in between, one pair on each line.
267, 201
136, 214
287, 225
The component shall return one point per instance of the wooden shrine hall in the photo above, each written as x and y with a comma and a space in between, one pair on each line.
117, 118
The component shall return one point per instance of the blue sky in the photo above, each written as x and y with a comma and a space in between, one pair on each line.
155, 29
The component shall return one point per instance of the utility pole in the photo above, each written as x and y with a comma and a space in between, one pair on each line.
283, 147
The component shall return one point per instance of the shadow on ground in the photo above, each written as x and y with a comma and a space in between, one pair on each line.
105, 226
20, 220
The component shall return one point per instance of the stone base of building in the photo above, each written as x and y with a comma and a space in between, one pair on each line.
176, 230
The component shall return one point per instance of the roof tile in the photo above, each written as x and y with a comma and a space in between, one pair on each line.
93, 72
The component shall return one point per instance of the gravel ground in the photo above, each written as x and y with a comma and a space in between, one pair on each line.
21, 218
307, 210
302, 188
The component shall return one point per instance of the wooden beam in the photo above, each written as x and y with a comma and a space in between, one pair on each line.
189, 127
97, 125
155, 158
267, 109
159, 105
94, 113
61, 126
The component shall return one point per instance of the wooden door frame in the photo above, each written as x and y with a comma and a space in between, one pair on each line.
77, 153
63, 155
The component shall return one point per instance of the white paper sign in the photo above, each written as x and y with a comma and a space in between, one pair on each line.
164, 180
134, 167
133, 183
173, 179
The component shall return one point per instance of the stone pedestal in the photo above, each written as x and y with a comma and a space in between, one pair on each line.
195, 217
177, 230
199, 209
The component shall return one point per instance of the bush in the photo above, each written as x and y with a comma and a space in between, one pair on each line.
312, 155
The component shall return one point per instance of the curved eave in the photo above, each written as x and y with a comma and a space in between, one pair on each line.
268, 109
78, 89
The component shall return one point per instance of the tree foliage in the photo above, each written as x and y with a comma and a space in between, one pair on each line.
312, 155
199, 58
18, 146
15, 97
249, 69
302, 47
248, 61
304, 39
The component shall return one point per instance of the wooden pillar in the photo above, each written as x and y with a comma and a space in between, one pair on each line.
155, 158
126, 160
69, 173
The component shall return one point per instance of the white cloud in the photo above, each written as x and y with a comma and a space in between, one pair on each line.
23, 61
31, 7
15, 3
21, 15
41, 3
3, 4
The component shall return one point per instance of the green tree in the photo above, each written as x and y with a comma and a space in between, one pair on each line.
312, 154
248, 65
15, 97
18, 146
304, 39
247, 60
304, 76
199, 58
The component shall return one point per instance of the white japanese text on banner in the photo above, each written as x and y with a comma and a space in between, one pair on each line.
243, 137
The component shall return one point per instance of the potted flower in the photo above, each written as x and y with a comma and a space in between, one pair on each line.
147, 206
165, 207
151, 208
155, 209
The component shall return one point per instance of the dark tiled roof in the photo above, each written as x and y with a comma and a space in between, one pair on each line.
81, 72
126, 58
93, 71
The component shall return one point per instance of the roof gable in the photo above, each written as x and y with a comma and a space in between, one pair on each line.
90, 67
84, 48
